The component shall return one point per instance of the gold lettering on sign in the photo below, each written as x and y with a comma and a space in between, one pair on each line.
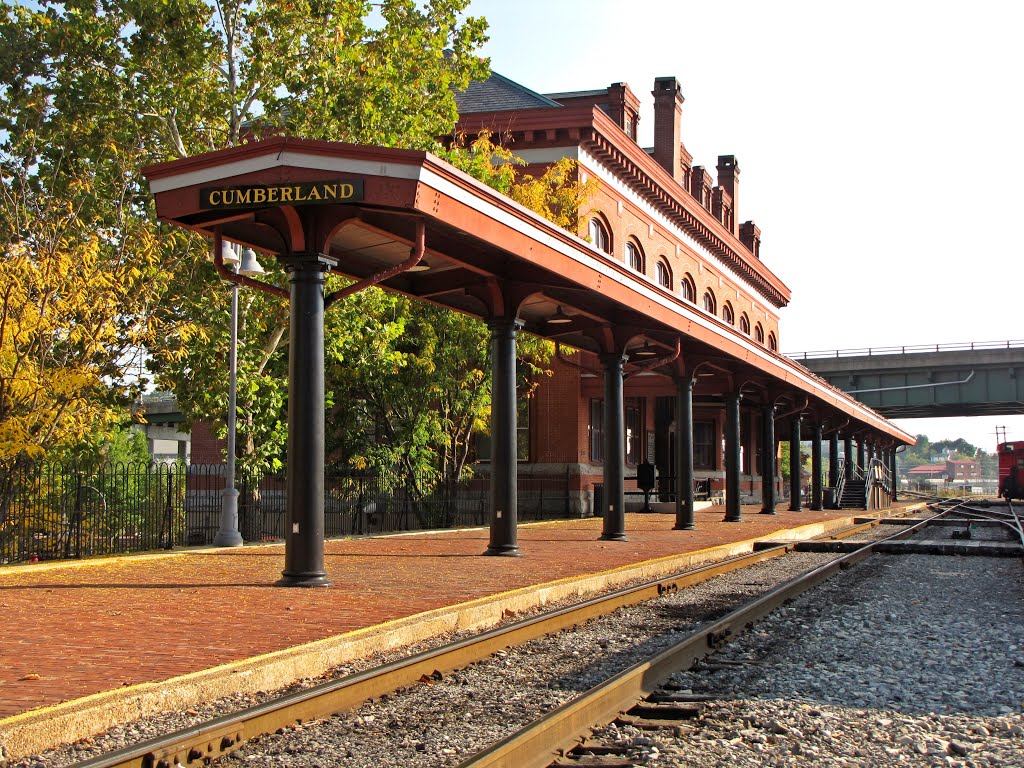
257, 195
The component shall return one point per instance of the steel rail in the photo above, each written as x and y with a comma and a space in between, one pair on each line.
201, 743
205, 741
555, 733
1012, 519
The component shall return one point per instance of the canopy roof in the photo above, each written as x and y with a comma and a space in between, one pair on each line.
489, 257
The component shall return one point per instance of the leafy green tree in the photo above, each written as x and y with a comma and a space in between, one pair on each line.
960, 448
411, 382
97, 89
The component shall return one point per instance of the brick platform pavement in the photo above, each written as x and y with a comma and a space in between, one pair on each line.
69, 630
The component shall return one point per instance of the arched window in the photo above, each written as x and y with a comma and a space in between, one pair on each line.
687, 288
599, 236
710, 305
664, 275
634, 257
759, 334
745, 324
727, 314
773, 344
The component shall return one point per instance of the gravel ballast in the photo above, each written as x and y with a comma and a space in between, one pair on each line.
901, 661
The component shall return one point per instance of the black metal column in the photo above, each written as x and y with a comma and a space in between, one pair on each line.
816, 501
794, 464
684, 455
833, 464
504, 470
892, 471
768, 460
614, 449
304, 517
733, 512
860, 455
848, 456
833, 459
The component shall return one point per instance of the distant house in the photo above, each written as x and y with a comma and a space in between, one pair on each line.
956, 471
964, 471
928, 472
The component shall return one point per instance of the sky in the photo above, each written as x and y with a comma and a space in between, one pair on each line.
879, 144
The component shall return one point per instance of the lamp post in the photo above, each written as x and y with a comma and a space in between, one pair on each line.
228, 535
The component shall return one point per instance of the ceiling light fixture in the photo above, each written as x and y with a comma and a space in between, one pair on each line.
644, 351
559, 318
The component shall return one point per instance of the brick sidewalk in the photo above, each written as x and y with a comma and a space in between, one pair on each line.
73, 629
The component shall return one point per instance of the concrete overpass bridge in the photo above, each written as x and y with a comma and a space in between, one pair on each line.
938, 380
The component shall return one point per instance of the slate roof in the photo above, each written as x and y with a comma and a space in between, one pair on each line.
497, 93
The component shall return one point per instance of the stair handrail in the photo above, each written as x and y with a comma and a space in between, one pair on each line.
842, 483
878, 478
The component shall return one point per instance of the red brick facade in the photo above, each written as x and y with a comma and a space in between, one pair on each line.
672, 260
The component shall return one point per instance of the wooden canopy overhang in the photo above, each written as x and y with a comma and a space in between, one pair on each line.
488, 256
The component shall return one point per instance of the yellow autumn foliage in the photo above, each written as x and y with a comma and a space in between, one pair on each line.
73, 312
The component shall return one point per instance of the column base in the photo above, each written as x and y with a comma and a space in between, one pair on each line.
767, 511
502, 550
728, 519
303, 580
684, 527
228, 539
613, 537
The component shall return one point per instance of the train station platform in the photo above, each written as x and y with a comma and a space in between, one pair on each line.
87, 644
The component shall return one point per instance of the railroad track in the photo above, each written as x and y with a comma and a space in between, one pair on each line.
640, 691
209, 740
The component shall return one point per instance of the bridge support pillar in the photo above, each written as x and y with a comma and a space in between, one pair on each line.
816, 502
684, 454
614, 449
794, 464
768, 460
733, 513
504, 471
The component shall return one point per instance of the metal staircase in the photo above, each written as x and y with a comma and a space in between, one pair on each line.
854, 494
865, 489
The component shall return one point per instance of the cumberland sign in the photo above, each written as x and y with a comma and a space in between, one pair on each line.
301, 193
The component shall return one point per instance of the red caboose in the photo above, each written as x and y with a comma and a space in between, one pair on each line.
1011, 469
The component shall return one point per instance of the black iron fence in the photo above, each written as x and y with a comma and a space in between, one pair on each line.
53, 511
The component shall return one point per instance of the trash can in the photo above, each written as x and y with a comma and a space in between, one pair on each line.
830, 498
598, 499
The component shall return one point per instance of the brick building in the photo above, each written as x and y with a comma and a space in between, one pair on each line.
665, 218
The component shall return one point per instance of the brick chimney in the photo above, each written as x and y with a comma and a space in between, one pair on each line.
700, 186
729, 180
668, 111
723, 209
750, 236
624, 108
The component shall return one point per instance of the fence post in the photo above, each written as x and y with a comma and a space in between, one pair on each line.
169, 513
76, 522
360, 507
